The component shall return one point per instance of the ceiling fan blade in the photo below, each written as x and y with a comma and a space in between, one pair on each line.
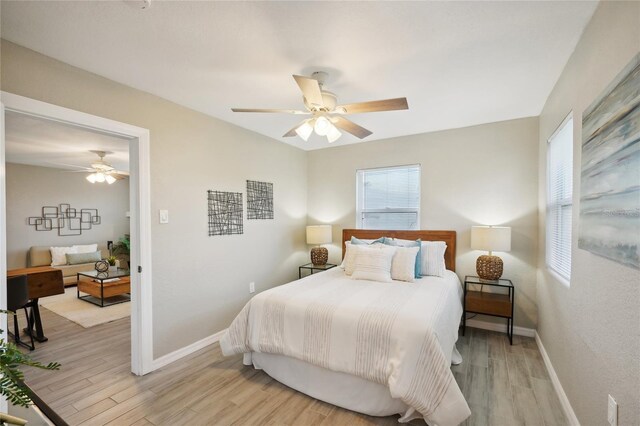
282, 111
350, 127
120, 175
69, 165
310, 89
374, 106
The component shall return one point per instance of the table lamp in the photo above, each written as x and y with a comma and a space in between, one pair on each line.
316, 235
490, 238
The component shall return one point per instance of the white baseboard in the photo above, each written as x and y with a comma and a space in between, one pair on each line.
502, 328
187, 350
564, 401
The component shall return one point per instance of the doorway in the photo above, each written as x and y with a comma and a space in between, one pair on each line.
139, 212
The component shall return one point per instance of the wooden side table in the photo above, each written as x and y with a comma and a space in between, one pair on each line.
311, 267
485, 303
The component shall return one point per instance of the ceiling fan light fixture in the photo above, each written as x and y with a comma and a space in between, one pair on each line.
333, 134
304, 130
110, 179
322, 126
92, 178
99, 177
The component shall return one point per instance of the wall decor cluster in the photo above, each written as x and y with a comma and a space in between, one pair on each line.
259, 200
68, 221
225, 213
610, 173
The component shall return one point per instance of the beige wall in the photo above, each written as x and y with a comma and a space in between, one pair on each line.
199, 282
30, 187
483, 174
591, 330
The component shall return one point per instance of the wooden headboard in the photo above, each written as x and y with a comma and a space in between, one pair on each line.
448, 237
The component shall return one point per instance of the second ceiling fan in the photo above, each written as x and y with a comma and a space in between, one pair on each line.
327, 118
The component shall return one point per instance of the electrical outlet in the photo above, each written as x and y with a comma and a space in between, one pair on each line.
252, 287
612, 412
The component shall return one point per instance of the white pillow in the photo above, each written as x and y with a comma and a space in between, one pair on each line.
89, 248
349, 258
58, 255
433, 258
403, 265
373, 263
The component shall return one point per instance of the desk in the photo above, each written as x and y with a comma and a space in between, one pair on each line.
42, 281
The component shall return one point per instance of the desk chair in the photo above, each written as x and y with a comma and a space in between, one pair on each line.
18, 298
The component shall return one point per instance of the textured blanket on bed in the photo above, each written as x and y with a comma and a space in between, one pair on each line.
381, 332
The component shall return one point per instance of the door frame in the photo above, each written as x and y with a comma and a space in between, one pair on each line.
139, 205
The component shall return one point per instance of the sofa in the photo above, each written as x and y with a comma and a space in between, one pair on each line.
41, 256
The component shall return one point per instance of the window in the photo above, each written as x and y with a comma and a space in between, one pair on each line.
559, 199
388, 198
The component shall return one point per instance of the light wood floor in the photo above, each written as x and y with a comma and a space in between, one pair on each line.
504, 385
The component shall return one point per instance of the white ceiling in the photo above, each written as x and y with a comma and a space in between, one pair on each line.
458, 63
38, 142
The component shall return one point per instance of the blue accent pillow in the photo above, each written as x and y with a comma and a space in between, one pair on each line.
416, 243
357, 241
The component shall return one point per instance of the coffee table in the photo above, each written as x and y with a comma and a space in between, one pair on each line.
101, 286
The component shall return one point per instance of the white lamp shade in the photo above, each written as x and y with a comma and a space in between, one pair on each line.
319, 234
333, 134
322, 126
304, 130
491, 238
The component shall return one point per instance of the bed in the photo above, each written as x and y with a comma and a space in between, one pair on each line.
372, 347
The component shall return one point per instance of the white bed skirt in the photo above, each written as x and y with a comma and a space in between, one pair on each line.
352, 392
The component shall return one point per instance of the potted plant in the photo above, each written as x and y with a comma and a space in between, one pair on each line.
12, 385
122, 249
113, 263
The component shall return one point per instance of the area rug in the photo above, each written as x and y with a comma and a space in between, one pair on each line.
84, 313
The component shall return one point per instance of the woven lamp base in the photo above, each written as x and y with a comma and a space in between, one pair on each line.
319, 256
489, 267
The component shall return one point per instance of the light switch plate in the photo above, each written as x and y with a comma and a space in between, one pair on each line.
164, 216
612, 411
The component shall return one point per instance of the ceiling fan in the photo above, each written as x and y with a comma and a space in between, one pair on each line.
101, 171
326, 116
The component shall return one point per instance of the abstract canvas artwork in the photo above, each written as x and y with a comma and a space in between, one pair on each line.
610, 174
259, 200
225, 213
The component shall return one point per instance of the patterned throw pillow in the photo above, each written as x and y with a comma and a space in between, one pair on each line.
349, 255
403, 265
433, 258
409, 243
373, 263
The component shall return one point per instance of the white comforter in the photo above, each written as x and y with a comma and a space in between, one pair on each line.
398, 334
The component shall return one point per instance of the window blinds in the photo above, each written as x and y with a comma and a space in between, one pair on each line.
559, 199
389, 198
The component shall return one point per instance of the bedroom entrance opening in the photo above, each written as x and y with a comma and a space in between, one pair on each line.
75, 187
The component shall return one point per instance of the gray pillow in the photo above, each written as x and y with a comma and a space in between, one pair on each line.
79, 258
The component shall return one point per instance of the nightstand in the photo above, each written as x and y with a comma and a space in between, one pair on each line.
311, 267
489, 303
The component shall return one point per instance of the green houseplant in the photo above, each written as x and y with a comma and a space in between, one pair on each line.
11, 377
122, 250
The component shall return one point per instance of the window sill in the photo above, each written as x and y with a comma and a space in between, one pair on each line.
558, 277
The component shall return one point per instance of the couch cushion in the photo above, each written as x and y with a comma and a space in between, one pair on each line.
72, 270
40, 256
